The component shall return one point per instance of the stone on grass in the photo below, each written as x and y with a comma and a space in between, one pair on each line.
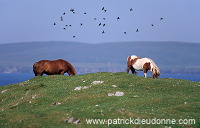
72, 120
78, 88
116, 94
56, 103
97, 82
111, 94
4, 91
136, 96
119, 93
114, 86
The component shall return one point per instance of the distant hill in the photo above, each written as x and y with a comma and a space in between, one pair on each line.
176, 57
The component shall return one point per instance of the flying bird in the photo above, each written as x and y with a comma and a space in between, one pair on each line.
118, 18
72, 10
152, 24
137, 30
74, 36
103, 32
64, 13
104, 9
131, 9
104, 25
124, 32
61, 18
104, 18
54, 24
85, 13
81, 24
99, 24
161, 18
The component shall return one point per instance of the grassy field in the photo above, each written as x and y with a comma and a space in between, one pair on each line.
59, 101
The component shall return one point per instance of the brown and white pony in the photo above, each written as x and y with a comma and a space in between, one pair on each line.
53, 67
142, 64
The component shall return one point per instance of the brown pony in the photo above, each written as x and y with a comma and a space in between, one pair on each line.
53, 67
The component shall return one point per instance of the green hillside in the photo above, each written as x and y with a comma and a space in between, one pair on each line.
67, 101
178, 57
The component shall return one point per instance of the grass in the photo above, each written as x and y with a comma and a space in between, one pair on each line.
30, 103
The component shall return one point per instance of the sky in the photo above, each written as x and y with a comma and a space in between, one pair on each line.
40, 20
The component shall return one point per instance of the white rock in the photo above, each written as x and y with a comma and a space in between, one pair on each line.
119, 93
33, 97
136, 96
85, 87
111, 94
83, 80
114, 86
56, 103
77, 121
15, 104
97, 82
78, 88
70, 120
4, 91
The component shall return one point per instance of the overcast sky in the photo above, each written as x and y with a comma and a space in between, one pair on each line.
33, 20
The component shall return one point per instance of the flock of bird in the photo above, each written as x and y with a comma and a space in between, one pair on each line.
99, 24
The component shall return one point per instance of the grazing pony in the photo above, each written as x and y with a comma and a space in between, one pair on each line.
53, 67
142, 64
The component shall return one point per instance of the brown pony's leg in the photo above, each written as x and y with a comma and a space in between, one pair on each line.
62, 73
39, 74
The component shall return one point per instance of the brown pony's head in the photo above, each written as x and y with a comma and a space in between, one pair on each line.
71, 69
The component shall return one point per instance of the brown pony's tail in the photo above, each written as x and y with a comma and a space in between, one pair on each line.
34, 69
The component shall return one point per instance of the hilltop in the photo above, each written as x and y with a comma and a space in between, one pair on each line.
171, 57
59, 101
